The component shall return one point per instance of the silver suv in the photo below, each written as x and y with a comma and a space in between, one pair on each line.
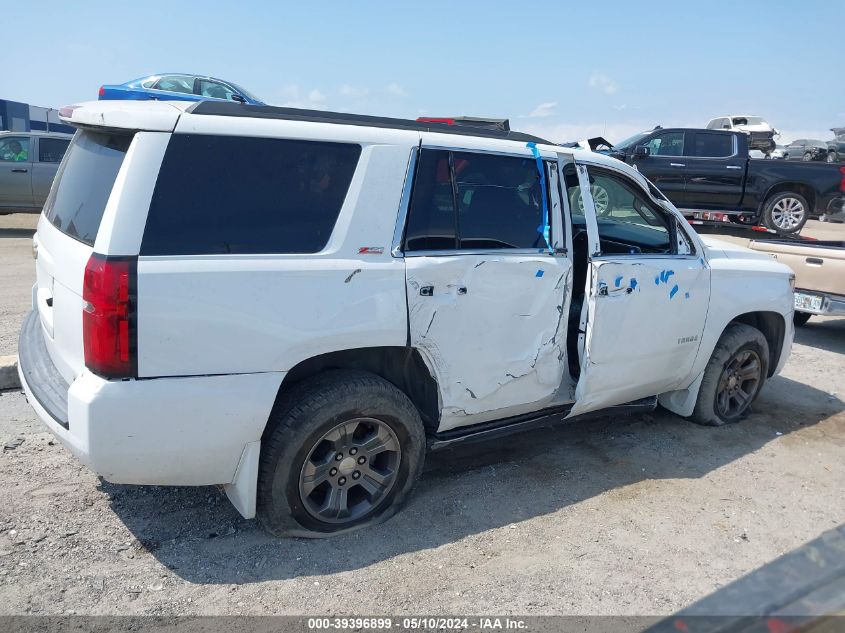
28, 164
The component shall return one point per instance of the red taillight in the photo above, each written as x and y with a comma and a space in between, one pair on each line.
842, 182
102, 91
109, 316
435, 119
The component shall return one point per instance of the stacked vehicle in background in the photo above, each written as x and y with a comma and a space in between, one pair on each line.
836, 147
761, 134
710, 170
806, 149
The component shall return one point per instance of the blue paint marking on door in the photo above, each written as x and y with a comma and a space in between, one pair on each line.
540, 273
673, 291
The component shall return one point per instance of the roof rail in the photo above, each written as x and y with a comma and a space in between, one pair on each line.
223, 108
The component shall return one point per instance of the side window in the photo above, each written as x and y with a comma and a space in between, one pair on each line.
14, 149
500, 202
713, 145
214, 89
475, 201
175, 83
51, 150
629, 222
279, 196
431, 215
669, 144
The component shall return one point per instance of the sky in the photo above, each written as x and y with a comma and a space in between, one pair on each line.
563, 70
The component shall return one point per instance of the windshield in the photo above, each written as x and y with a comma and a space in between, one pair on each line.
632, 140
748, 120
245, 93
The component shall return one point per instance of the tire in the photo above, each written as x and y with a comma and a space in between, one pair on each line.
831, 157
738, 342
319, 419
807, 157
801, 318
786, 212
601, 199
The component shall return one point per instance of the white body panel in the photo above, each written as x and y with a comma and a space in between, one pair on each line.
172, 431
493, 331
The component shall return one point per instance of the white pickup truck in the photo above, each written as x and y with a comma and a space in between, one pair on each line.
297, 305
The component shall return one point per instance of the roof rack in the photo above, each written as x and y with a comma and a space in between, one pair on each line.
223, 108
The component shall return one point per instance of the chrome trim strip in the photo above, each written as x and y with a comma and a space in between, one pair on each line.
404, 203
540, 252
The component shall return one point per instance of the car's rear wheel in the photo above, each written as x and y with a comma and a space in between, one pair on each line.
733, 376
601, 200
786, 212
801, 318
807, 157
341, 451
832, 157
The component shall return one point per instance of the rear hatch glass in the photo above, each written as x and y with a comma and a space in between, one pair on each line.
84, 182
66, 234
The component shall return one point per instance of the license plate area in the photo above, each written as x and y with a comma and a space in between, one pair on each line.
808, 303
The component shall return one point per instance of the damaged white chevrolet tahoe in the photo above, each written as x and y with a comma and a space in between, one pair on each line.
296, 305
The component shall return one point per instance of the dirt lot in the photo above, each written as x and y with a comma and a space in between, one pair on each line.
637, 515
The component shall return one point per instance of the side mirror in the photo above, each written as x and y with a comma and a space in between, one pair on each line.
238, 98
641, 151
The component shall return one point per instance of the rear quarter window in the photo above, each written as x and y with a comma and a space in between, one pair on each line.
229, 194
84, 182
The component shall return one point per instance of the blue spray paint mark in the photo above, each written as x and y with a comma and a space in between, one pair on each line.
686, 295
701, 259
633, 284
673, 291
657, 280
539, 273
664, 276
618, 281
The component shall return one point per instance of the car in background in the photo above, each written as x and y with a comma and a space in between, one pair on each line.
806, 149
741, 123
702, 171
819, 268
836, 147
777, 153
177, 87
761, 134
28, 164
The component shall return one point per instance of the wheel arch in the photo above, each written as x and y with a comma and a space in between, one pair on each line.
403, 367
803, 189
773, 327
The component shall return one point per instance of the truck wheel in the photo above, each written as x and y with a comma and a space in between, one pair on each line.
601, 200
341, 451
733, 376
786, 212
801, 318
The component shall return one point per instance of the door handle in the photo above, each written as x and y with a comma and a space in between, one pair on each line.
677, 165
733, 167
462, 290
815, 261
19, 170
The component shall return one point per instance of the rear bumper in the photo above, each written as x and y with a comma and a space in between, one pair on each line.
163, 431
832, 305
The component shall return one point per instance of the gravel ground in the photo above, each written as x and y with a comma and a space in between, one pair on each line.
635, 515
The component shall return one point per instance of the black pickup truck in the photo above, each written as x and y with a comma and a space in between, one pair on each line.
710, 170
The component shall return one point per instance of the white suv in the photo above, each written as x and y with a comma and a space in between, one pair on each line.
297, 305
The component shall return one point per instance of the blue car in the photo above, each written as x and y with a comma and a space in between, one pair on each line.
178, 87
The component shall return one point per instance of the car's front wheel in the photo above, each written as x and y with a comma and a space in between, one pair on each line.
342, 450
832, 157
733, 376
786, 212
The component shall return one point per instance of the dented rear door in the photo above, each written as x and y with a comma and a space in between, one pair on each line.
486, 304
